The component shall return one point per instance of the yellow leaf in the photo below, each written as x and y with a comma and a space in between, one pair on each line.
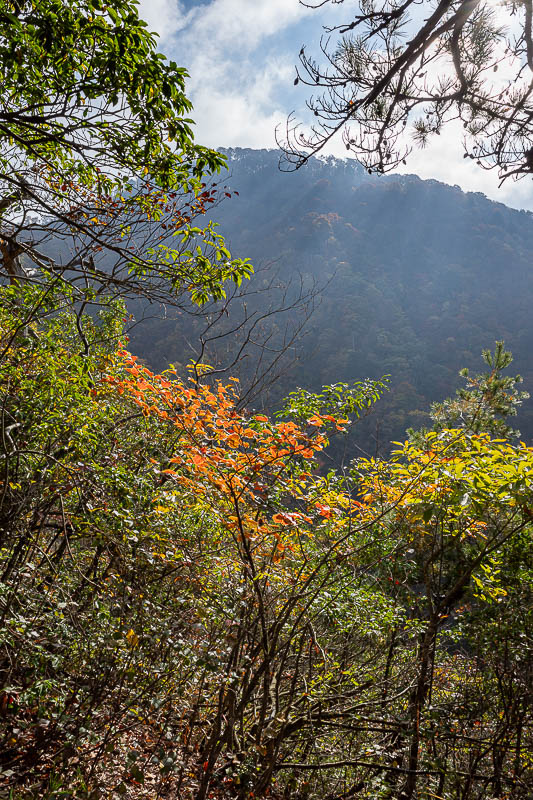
133, 639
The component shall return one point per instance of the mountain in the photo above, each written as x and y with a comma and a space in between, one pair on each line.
412, 278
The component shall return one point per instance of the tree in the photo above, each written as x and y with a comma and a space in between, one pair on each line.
487, 401
455, 537
95, 146
399, 71
154, 545
186, 602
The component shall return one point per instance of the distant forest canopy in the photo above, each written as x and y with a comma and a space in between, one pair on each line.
410, 278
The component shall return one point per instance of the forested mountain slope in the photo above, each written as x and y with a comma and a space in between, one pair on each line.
415, 279
192, 605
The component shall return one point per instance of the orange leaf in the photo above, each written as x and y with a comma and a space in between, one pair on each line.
324, 511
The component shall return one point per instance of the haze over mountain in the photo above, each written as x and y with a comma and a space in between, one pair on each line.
415, 279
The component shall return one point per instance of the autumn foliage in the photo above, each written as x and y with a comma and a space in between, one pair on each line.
191, 603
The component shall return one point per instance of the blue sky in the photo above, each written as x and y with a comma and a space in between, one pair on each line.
241, 55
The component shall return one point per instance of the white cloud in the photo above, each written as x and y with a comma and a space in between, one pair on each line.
237, 74
443, 160
243, 113
241, 54
241, 24
165, 17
